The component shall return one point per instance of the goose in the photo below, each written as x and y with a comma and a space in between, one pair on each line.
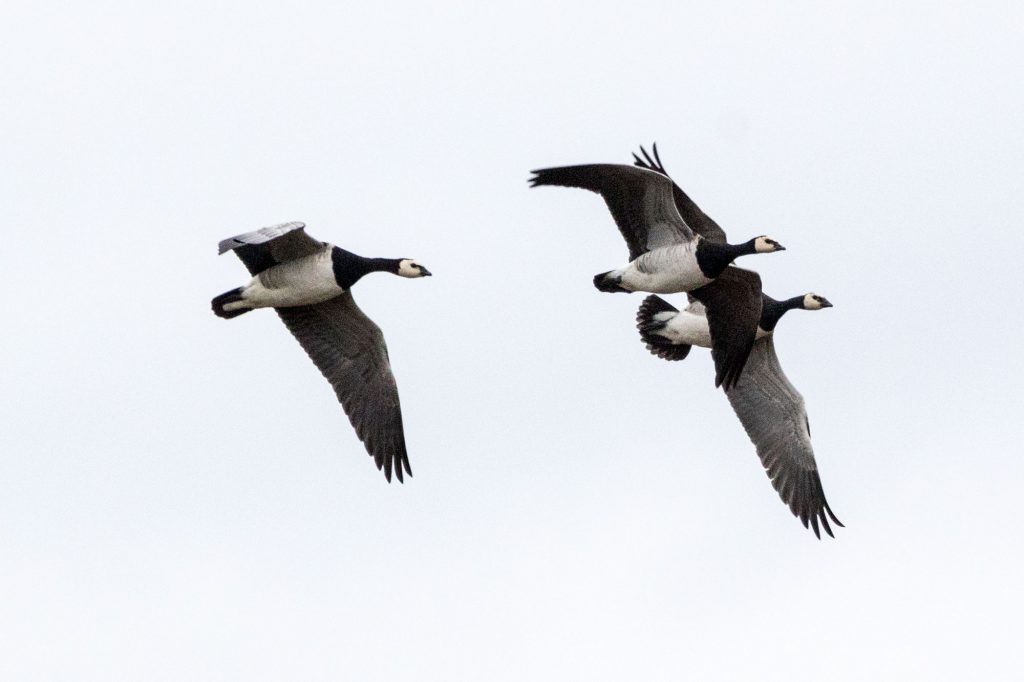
667, 256
673, 248
309, 284
770, 408
669, 333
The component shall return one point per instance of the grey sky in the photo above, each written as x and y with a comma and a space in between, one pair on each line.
181, 497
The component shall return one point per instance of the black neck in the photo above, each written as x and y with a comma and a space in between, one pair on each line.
349, 268
714, 257
772, 310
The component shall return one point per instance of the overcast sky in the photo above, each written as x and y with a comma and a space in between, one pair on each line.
182, 498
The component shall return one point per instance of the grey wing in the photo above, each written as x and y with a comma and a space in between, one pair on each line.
349, 350
733, 307
772, 412
699, 221
269, 246
640, 201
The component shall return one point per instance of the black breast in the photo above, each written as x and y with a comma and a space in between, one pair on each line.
348, 267
713, 258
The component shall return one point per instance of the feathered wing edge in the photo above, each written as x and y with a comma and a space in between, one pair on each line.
349, 350
773, 414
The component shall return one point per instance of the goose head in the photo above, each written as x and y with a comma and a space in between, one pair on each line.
407, 267
765, 244
813, 301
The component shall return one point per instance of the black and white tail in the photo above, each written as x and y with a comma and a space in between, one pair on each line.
648, 324
607, 283
232, 296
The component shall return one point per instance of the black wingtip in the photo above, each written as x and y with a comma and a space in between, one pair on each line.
729, 378
824, 523
648, 157
543, 176
833, 516
387, 463
650, 162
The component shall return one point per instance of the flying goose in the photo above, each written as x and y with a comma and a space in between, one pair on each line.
308, 283
769, 407
669, 333
666, 255
674, 247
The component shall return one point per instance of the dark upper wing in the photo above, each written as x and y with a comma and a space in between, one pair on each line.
639, 200
733, 308
694, 217
349, 350
773, 414
269, 246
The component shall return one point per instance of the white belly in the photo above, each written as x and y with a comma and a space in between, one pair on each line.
668, 270
303, 281
685, 328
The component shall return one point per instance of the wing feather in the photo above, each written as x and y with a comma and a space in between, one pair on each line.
701, 223
773, 414
349, 350
640, 201
733, 307
268, 246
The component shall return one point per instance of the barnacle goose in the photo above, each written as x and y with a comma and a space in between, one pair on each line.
308, 283
669, 333
770, 408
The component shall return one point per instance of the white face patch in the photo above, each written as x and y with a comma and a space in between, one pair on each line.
813, 301
767, 245
407, 267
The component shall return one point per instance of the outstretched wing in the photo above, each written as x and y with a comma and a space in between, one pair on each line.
349, 350
269, 246
694, 217
733, 307
640, 201
772, 412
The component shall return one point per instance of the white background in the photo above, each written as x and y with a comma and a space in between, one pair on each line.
181, 497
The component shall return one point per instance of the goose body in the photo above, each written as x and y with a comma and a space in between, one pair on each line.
768, 406
665, 270
303, 281
309, 284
